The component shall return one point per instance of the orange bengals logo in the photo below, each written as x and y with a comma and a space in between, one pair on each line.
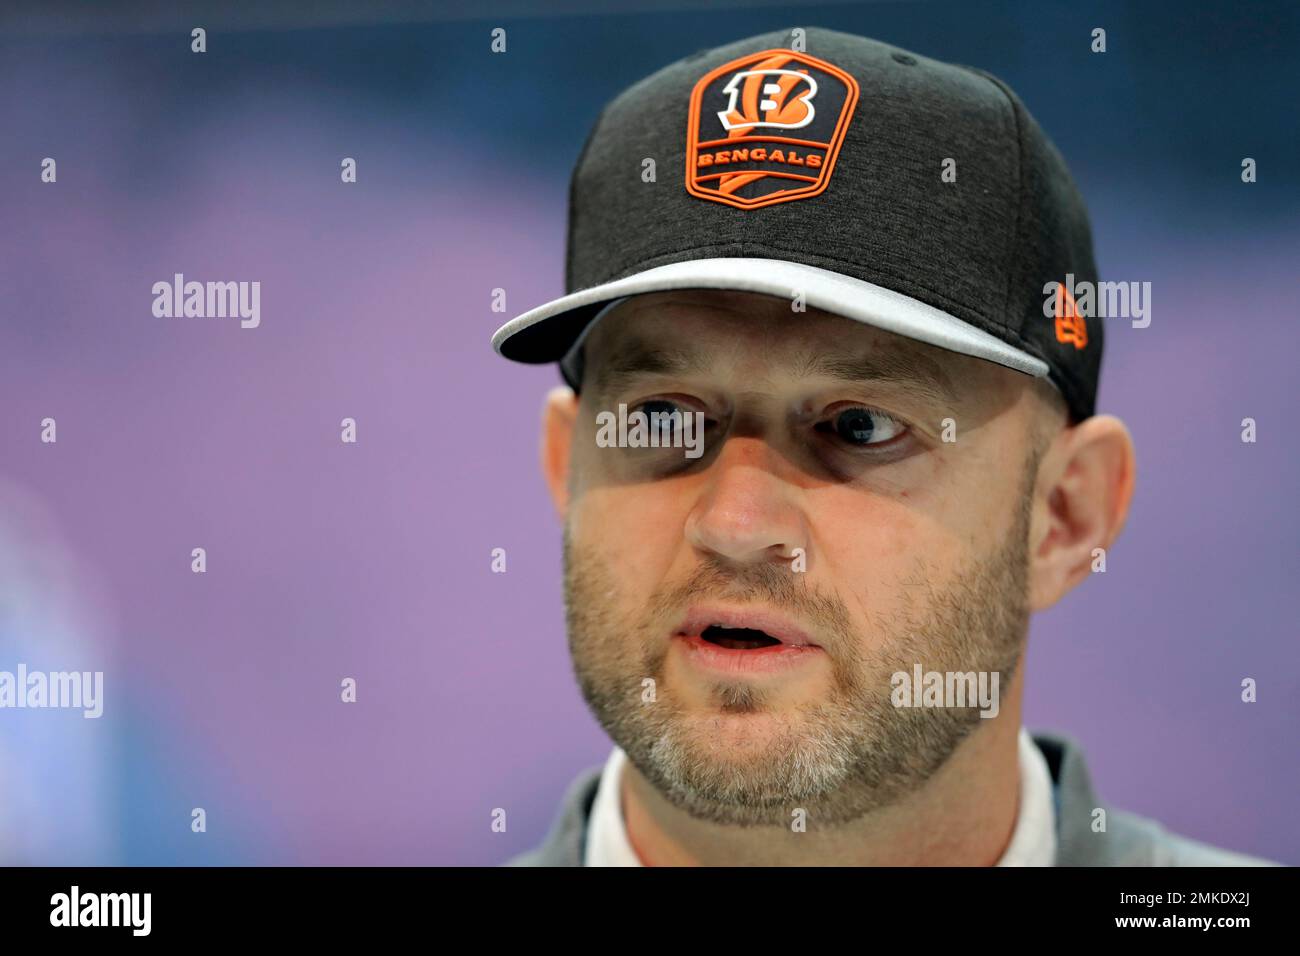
766, 128
1070, 327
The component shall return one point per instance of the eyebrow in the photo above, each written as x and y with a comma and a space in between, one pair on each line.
637, 358
910, 370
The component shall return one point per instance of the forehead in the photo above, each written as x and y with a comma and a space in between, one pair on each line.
761, 335
701, 313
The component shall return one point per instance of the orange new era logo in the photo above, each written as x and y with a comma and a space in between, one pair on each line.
766, 128
1070, 327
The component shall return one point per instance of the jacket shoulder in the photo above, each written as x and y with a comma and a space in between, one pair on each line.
1140, 841
566, 841
1127, 839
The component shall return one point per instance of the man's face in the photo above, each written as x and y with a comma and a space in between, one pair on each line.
828, 504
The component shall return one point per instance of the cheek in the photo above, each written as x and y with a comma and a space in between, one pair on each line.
868, 547
958, 502
875, 544
634, 529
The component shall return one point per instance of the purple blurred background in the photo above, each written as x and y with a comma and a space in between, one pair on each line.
372, 560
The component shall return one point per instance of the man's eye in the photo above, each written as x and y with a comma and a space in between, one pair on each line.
862, 426
659, 406
666, 417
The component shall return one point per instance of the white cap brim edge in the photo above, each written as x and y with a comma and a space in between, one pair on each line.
821, 288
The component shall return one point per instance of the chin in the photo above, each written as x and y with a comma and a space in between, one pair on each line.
736, 737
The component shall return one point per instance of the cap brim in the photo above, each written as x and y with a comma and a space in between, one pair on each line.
546, 333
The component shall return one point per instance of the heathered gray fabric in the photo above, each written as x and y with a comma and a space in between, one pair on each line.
1129, 840
981, 248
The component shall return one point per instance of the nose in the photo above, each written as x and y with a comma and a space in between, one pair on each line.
747, 512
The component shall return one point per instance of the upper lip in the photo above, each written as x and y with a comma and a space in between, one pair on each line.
700, 617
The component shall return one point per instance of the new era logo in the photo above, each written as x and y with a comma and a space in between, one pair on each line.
1071, 329
766, 128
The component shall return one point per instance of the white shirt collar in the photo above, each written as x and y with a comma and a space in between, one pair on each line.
1033, 841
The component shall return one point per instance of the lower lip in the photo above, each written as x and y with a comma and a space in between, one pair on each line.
761, 660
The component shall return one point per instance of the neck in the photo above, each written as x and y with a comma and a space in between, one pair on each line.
963, 815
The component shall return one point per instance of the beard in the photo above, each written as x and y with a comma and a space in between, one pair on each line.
839, 758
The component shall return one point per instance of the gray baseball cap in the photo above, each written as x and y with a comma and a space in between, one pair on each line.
912, 195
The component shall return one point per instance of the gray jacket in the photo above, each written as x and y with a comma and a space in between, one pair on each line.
1128, 840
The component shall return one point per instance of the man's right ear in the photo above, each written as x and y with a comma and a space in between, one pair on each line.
559, 415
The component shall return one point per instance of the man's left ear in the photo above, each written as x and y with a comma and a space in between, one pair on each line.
1081, 498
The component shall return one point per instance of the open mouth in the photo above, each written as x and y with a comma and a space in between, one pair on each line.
738, 638
743, 642
742, 629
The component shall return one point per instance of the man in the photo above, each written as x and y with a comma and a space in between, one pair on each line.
831, 278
